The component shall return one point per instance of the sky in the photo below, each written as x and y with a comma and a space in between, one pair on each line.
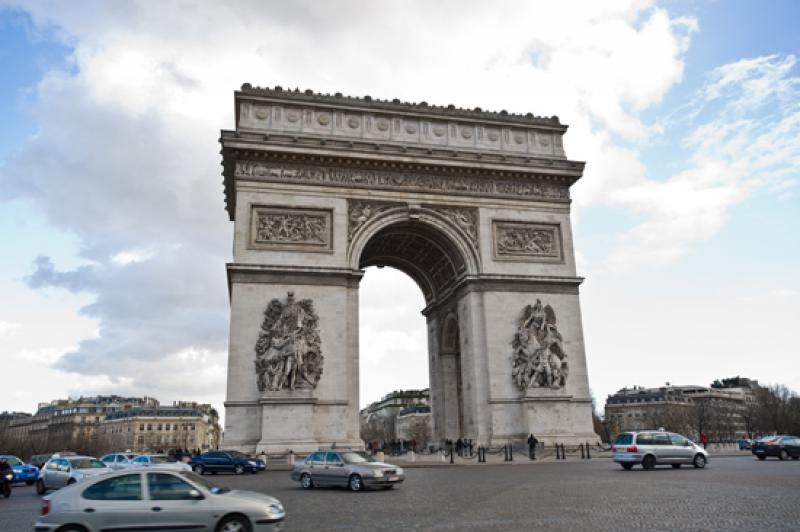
112, 222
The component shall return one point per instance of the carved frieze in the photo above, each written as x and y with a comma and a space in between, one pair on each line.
527, 241
360, 212
465, 218
402, 181
281, 228
538, 359
289, 348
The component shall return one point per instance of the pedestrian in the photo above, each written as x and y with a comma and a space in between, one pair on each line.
703, 439
459, 447
532, 442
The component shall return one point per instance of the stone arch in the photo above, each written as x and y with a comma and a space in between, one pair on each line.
422, 243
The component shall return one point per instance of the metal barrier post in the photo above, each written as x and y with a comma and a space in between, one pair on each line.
588, 452
583, 454
451, 453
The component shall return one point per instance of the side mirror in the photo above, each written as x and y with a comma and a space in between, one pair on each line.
194, 494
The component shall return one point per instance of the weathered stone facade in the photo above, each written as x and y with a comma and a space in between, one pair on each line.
473, 205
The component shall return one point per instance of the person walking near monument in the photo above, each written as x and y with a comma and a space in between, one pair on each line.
532, 442
703, 439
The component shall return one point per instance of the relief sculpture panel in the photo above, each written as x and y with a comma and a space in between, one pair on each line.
280, 228
539, 359
527, 241
289, 350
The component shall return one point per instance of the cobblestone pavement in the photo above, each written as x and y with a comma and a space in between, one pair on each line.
732, 493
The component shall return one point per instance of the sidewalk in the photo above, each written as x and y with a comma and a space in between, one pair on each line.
496, 457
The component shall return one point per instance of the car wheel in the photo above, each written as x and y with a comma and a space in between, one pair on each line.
70, 481
627, 467
649, 462
6, 490
306, 482
41, 489
71, 528
239, 470
760, 457
200, 470
234, 523
355, 483
676, 466
783, 455
699, 461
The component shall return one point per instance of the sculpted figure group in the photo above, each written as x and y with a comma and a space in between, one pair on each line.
288, 351
539, 359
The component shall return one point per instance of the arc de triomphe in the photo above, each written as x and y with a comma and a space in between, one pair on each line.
473, 205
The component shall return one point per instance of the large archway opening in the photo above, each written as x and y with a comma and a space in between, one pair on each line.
410, 363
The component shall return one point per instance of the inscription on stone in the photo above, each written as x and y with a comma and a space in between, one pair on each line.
290, 229
527, 241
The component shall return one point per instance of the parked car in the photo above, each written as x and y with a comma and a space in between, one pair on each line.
782, 447
157, 499
163, 461
352, 469
218, 461
22, 472
60, 472
652, 448
39, 460
118, 460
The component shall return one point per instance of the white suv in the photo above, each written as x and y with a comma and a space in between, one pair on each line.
656, 447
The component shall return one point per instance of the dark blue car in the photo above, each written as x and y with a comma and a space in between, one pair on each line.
22, 472
224, 461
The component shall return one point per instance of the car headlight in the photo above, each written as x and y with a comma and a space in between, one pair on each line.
9, 476
377, 473
252, 463
275, 508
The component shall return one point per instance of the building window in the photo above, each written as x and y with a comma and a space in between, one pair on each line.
160, 427
149, 426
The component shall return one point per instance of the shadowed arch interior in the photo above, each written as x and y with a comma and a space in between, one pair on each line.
420, 251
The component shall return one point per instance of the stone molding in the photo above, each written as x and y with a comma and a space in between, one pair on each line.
292, 275
527, 241
279, 228
395, 105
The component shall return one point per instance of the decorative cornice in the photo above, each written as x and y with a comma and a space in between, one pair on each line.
309, 96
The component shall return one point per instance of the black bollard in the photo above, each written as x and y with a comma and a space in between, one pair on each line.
588, 454
510, 452
563, 452
558, 452
583, 454
451, 453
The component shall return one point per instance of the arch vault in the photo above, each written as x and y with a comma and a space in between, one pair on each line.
473, 205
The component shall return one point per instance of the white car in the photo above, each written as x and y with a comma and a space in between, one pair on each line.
60, 472
118, 460
158, 499
162, 461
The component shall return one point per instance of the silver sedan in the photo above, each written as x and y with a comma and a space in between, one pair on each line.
353, 469
157, 499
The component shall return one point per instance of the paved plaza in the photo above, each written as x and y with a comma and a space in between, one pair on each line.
734, 493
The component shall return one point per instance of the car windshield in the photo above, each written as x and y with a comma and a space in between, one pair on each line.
12, 460
197, 479
237, 454
357, 458
87, 463
161, 460
624, 439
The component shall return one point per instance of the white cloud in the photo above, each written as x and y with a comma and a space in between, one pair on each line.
126, 155
8, 328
